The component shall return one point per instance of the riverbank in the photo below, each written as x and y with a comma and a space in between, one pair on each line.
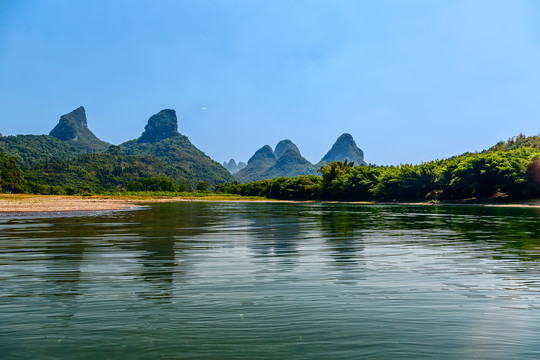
24, 203
17, 203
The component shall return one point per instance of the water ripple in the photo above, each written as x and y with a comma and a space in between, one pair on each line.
247, 280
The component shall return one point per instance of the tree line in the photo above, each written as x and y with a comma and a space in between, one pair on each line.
512, 175
508, 170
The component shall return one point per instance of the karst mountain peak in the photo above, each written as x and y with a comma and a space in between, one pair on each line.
160, 126
73, 129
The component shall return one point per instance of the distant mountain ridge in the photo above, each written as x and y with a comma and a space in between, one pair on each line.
261, 161
286, 160
233, 167
184, 163
344, 149
290, 164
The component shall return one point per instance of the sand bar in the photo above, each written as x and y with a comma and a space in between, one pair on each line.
25, 203
17, 203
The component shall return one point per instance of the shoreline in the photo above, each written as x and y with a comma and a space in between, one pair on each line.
24, 203
30, 203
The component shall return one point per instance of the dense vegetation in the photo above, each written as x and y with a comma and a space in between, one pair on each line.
513, 174
159, 183
107, 171
509, 170
11, 177
32, 149
185, 163
517, 142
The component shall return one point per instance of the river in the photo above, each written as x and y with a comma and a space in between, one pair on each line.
234, 280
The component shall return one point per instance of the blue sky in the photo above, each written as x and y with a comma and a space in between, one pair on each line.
412, 80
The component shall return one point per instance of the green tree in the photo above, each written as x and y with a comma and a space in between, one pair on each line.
11, 177
202, 186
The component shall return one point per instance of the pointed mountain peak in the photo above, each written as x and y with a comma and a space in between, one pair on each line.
290, 164
160, 126
290, 160
70, 125
262, 160
73, 128
292, 153
77, 116
345, 138
283, 146
264, 153
344, 149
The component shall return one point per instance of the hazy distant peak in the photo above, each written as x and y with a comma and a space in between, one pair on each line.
292, 156
264, 153
160, 126
287, 160
283, 146
345, 137
233, 167
344, 149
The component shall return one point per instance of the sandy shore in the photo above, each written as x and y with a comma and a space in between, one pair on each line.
16, 203
22, 203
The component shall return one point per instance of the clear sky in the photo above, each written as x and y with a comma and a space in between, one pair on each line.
411, 80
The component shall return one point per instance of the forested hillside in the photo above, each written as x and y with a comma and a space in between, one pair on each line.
32, 149
185, 162
111, 170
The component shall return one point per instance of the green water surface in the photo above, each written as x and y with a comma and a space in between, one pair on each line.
212, 280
